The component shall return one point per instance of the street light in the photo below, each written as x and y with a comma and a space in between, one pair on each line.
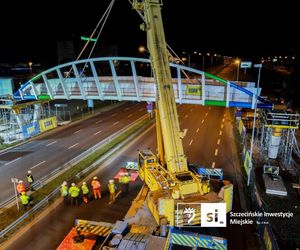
254, 120
142, 49
238, 69
30, 67
189, 57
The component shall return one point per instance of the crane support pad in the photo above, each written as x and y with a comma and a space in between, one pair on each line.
94, 229
189, 239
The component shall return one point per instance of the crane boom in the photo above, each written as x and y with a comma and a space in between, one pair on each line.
174, 156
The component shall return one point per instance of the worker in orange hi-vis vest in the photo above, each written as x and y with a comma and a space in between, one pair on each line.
96, 187
21, 187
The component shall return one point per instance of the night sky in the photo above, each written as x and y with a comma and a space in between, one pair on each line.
30, 29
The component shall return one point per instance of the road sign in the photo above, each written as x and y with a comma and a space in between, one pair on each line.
257, 65
88, 39
60, 105
14, 180
245, 65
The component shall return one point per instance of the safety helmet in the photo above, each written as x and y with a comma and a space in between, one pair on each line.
84, 183
126, 174
20, 181
23, 193
73, 184
95, 178
111, 181
64, 183
29, 172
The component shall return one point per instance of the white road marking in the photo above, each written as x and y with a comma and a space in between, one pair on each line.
223, 120
202, 121
12, 161
216, 152
224, 115
222, 126
141, 109
98, 132
113, 114
213, 165
51, 143
191, 142
197, 130
99, 121
126, 109
186, 116
220, 132
73, 145
206, 114
42, 162
130, 115
218, 141
77, 131
116, 123
191, 109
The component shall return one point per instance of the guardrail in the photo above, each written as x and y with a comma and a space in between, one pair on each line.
58, 171
67, 166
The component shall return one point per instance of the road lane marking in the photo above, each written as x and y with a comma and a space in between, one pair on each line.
197, 130
126, 109
191, 142
113, 114
99, 121
73, 145
98, 132
186, 116
141, 109
209, 108
206, 114
51, 143
12, 161
222, 126
77, 131
216, 152
42, 162
224, 115
220, 132
130, 115
191, 110
202, 121
116, 123
218, 141
223, 120
213, 165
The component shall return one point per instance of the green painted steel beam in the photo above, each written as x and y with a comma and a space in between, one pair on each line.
215, 103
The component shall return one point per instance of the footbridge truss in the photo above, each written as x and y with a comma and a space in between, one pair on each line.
130, 79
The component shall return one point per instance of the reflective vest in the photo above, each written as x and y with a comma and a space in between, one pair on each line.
126, 179
21, 188
74, 191
24, 199
30, 178
96, 184
111, 187
85, 189
64, 191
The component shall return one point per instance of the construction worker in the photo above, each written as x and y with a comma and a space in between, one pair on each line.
30, 179
96, 187
85, 191
74, 194
64, 192
21, 187
24, 200
126, 180
112, 190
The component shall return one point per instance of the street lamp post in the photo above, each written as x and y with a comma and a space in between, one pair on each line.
142, 49
238, 69
254, 121
30, 67
189, 57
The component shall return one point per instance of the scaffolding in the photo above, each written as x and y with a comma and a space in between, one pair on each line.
277, 135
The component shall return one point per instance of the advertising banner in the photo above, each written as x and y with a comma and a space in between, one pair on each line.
31, 129
48, 123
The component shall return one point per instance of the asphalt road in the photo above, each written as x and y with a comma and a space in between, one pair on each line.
50, 151
204, 145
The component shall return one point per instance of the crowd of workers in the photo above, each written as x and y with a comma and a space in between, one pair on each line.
74, 194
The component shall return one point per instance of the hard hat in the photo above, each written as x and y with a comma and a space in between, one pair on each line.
111, 181
20, 181
126, 173
84, 183
95, 178
23, 193
73, 184
29, 172
64, 183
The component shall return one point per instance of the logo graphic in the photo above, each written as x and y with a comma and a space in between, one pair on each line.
190, 212
213, 214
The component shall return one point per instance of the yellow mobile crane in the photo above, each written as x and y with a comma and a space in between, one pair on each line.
167, 175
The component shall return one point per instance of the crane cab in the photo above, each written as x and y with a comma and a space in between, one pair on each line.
146, 158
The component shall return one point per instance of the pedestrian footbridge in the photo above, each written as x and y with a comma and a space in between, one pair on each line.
130, 79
